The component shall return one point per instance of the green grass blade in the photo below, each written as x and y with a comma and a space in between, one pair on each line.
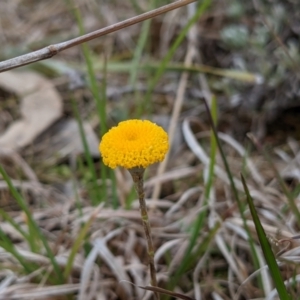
81, 236
10, 220
33, 224
203, 246
114, 189
96, 191
234, 190
101, 105
125, 67
193, 258
31, 237
136, 6
288, 194
6, 244
136, 61
267, 250
139, 51
199, 223
98, 94
213, 149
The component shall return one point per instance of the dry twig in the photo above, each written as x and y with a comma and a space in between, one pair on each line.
52, 50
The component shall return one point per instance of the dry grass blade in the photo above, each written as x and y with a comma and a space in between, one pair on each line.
7, 281
165, 247
229, 257
87, 271
113, 263
179, 173
29, 292
182, 200
198, 150
165, 292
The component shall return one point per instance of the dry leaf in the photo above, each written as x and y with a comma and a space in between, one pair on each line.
40, 106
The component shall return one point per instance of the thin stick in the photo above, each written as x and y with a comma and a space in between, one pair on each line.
52, 50
137, 176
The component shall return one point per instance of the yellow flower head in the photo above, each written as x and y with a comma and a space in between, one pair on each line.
134, 143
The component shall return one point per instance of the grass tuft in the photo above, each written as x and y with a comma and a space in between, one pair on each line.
267, 250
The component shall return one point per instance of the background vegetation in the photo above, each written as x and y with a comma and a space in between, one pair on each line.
70, 227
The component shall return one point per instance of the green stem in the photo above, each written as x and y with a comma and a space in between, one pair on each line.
137, 176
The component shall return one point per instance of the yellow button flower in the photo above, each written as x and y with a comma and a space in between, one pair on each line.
134, 143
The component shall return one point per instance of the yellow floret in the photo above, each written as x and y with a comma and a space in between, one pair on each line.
134, 143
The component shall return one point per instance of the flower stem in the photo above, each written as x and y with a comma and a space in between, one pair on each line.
137, 176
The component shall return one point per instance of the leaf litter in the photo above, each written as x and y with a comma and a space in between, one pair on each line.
118, 254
